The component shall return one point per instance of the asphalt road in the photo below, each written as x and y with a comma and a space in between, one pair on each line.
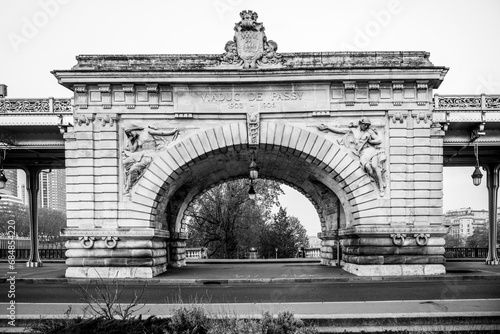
266, 293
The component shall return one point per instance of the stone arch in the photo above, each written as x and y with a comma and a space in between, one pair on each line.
327, 162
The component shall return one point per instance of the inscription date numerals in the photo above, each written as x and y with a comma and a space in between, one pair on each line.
268, 105
235, 105
264, 105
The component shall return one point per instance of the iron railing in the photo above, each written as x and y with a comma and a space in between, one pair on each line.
58, 253
467, 252
466, 102
36, 106
45, 254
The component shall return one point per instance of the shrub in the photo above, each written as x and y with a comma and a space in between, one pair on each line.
189, 321
185, 320
285, 323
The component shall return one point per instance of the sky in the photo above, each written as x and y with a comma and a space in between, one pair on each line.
38, 36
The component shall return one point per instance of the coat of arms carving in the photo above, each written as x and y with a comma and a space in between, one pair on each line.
250, 47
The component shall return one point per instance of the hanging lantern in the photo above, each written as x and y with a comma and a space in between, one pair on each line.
476, 175
251, 192
3, 179
254, 170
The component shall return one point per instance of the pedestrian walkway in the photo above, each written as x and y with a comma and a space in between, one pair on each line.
279, 271
330, 317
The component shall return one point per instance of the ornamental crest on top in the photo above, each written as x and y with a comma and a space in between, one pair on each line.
250, 47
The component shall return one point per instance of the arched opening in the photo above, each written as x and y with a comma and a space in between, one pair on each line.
322, 170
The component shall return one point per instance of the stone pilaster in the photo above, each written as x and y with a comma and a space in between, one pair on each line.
106, 174
80, 167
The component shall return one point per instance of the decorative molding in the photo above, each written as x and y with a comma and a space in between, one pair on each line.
350, 89
374, 93
422, 116
152, 88
186, 115
397, 93
153, 97
321, 114
81, 96
108, 120
105, 90
422, 92
84, 119
397, 117
129, 90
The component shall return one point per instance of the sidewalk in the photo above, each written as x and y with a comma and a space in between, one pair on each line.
330, 317
233, 272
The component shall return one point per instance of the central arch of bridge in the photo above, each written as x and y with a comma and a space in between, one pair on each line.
318, 167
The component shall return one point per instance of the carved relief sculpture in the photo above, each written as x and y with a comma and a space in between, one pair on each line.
365, 143
250, 46
253, 121
231, 55
141, 146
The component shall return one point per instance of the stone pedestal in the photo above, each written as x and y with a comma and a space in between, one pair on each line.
393, 251
116, 253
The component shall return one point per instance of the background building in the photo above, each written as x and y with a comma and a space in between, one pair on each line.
10, 194
52, 193
464, 221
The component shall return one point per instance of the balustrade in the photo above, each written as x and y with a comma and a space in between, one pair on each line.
36, 106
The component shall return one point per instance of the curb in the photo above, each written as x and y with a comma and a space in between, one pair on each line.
236, 281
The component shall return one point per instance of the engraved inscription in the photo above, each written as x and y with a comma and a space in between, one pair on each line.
267, 99
252, 96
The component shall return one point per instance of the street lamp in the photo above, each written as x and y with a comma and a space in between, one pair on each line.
3, 179
476, 175
254, 170
254, 174
251, 191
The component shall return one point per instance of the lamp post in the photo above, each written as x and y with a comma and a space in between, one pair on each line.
276, 249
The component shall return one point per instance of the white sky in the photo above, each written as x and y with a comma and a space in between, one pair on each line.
39, 36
